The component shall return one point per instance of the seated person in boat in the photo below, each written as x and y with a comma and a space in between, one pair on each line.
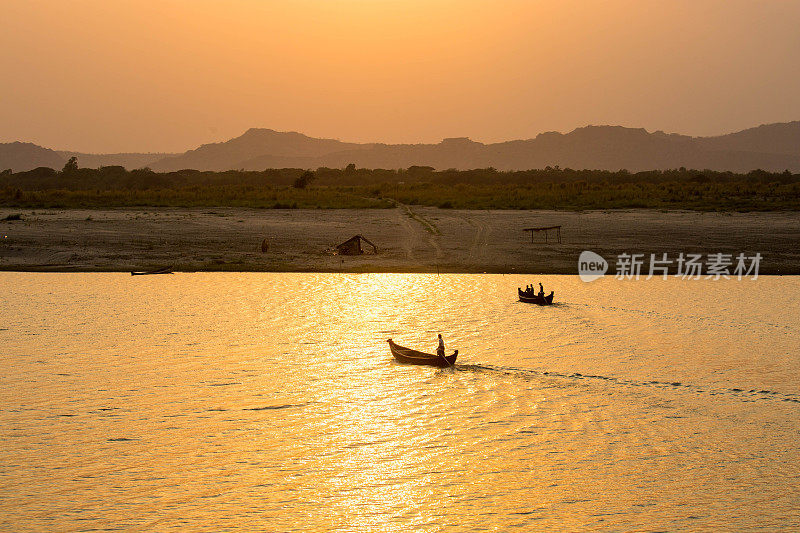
440, 349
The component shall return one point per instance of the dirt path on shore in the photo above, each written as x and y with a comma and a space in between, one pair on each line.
409, 239
480, 242
420, 229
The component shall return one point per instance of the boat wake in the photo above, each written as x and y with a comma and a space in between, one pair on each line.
742, 394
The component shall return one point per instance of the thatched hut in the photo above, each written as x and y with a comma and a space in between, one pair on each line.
352, 246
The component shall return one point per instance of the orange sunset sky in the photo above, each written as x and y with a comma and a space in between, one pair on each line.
168, 75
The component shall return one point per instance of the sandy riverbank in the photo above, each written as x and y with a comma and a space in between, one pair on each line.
418, 239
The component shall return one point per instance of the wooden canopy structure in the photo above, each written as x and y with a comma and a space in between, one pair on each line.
352, 246
545, 230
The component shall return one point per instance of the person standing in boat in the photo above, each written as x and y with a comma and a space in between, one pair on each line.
440, 349
541, 289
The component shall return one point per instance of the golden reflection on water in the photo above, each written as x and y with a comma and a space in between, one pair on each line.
371, 420
271, 402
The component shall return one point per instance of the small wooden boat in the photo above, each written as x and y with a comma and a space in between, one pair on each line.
535, 298
413, 357
165, 270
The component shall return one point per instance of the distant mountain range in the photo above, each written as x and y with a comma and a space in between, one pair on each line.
772, 147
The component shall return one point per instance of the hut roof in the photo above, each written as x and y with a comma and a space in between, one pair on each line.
356, 240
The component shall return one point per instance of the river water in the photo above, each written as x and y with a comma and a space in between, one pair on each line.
228, 401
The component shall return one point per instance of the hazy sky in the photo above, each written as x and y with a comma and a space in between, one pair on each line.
168, 75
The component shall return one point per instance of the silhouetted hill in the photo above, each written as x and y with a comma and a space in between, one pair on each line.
615, 147
20, 157
129, 161
781, 138
253, 144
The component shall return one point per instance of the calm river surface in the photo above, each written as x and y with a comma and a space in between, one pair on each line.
271, 402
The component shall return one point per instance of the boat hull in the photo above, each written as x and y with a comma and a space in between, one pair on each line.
536, 299
166, 270
413, 357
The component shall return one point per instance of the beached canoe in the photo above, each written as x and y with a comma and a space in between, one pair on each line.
413, 357
165, 270
535, 299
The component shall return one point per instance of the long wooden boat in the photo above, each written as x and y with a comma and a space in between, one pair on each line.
165, 270
535, 299
413, 357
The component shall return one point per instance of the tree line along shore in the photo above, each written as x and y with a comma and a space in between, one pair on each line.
351, 187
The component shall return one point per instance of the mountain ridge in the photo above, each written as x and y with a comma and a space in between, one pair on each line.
773, 147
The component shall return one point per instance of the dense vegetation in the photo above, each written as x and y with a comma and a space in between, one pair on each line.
549, 188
